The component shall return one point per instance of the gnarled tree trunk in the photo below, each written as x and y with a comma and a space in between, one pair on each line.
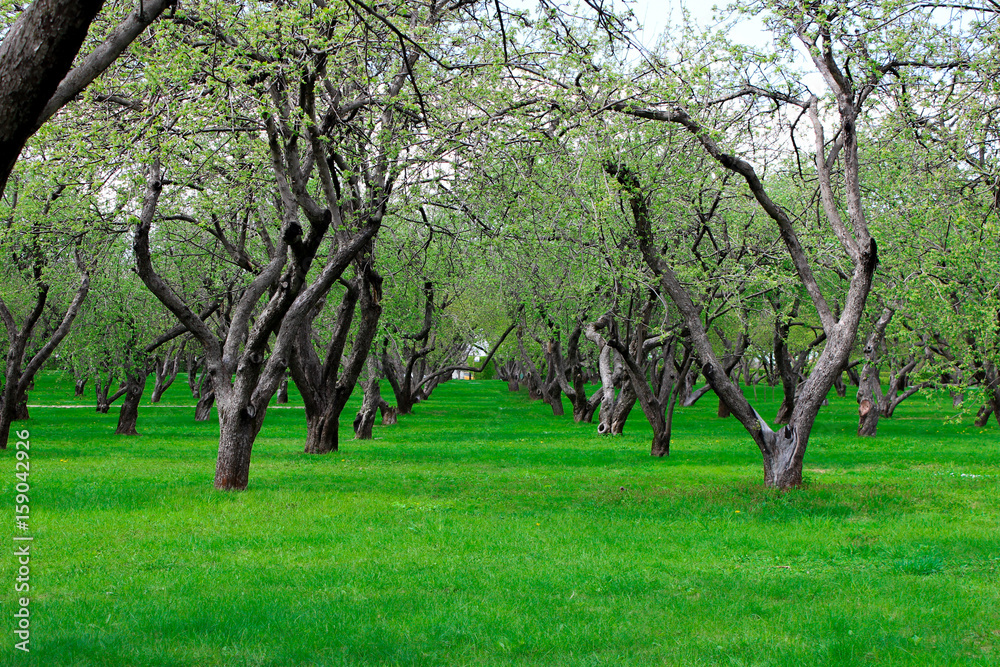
870, 388
325, 386
238, 430
166, 371
135, 384
203, 408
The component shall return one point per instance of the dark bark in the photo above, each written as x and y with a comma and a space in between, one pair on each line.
166, 370
734, 352
565, 373
692, 397
372, 403
237, 432
282, 396
35, 59
21, 408
128, 417
399, 368
102, 389
654, 406
623, 408
992, 391
364, 421
432, 378
839, 386
203, 409
36, 53
890, 403
193, 364
532, 377
98, 60
326, 386
783, 360
551, 391
509, 372
243, 379
870, 388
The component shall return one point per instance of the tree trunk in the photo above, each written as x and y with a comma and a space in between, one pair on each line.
166, 372
623, 407
135, 384
36, 53
869, 396
365, 419
237, 431
404, 403
282, 392
6, 419
203, 409
993, 390
723, 410
322, 432
694, 396
326, 385
21, 408
512, 384
983, 416
193, 362
652, 406
782, 468
80, 386
534, 393
604, 367
839, 386
869, 387
101, 390
553, 396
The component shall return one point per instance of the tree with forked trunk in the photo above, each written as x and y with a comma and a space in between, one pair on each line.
783, 450
870, 388
340, 127
326, 385
31, 273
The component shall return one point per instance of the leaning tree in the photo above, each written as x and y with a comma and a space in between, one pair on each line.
713, 111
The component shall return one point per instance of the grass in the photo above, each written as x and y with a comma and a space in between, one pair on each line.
481, 530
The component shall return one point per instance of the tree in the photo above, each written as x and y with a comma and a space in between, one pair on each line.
43, 259
829, 33
35, 59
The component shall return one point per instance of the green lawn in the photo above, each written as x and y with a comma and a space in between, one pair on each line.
481, 530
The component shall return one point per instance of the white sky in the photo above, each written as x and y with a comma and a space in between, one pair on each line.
655, 15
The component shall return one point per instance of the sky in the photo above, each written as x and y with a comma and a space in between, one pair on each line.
655, 15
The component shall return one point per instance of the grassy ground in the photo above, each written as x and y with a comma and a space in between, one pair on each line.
484, 531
